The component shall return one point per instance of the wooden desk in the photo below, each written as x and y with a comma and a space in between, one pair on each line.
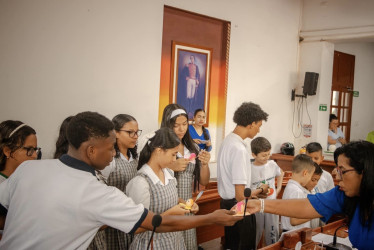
305, 236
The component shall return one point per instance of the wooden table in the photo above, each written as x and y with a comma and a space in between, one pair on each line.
304, 235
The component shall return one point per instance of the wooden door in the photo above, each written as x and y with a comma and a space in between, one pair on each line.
342, 90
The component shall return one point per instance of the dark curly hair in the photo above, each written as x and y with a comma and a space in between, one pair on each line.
119, 121
62, 144
87, 125
15, 141
361, 158
260, 144
248, 113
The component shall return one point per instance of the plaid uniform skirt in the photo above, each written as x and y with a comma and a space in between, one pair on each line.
185, 185
120, 176
162, 198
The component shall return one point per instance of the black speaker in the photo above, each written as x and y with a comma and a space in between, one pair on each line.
310, 83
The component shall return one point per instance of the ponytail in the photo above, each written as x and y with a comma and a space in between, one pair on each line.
205, 133
145, 155
164, 138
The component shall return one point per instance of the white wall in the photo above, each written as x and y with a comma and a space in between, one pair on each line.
60, 58
336, 14
316, 57
362, 115
337, 22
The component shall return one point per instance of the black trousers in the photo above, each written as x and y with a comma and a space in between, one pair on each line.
241, 236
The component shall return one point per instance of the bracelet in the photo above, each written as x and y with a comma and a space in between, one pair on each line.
262, 206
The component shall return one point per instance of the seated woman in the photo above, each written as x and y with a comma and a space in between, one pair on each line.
335, 135
18, 143
354, 196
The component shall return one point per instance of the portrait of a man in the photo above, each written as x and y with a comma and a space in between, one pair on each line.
190, 77
191, 81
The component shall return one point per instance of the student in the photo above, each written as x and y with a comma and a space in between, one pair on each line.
156, 188
62, 143
310, 186
302, 172
62, 147
353, 196
122, 169
18, 143
325, 183
189, 173
267, 172
198, 132
70, 205
234, 173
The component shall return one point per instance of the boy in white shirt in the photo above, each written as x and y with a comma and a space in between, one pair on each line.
264, 171
302, 172
325, 183
234, 174
311, 188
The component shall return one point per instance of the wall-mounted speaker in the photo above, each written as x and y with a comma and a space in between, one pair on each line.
310, 83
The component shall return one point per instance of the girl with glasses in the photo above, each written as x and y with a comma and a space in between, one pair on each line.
122, 169
18, 143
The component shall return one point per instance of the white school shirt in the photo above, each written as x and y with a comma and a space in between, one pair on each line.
60, 204
233, 166
325, 183
293, 190
138, 187
265, 174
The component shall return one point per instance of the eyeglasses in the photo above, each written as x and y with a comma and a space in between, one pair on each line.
132, 133
342, 172
31, 150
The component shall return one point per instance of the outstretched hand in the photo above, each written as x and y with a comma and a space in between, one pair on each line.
224, 217
253, 206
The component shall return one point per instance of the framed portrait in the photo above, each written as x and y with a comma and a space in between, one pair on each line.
190, 77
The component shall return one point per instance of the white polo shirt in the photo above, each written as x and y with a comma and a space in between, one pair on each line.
325, 183
233, 166
293, 190
60, 204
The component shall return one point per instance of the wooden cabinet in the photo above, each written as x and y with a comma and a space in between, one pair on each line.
209, 202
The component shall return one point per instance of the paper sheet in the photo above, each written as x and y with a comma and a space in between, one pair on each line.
326, 239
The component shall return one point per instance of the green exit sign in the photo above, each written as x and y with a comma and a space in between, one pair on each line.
322, 107
355, 93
